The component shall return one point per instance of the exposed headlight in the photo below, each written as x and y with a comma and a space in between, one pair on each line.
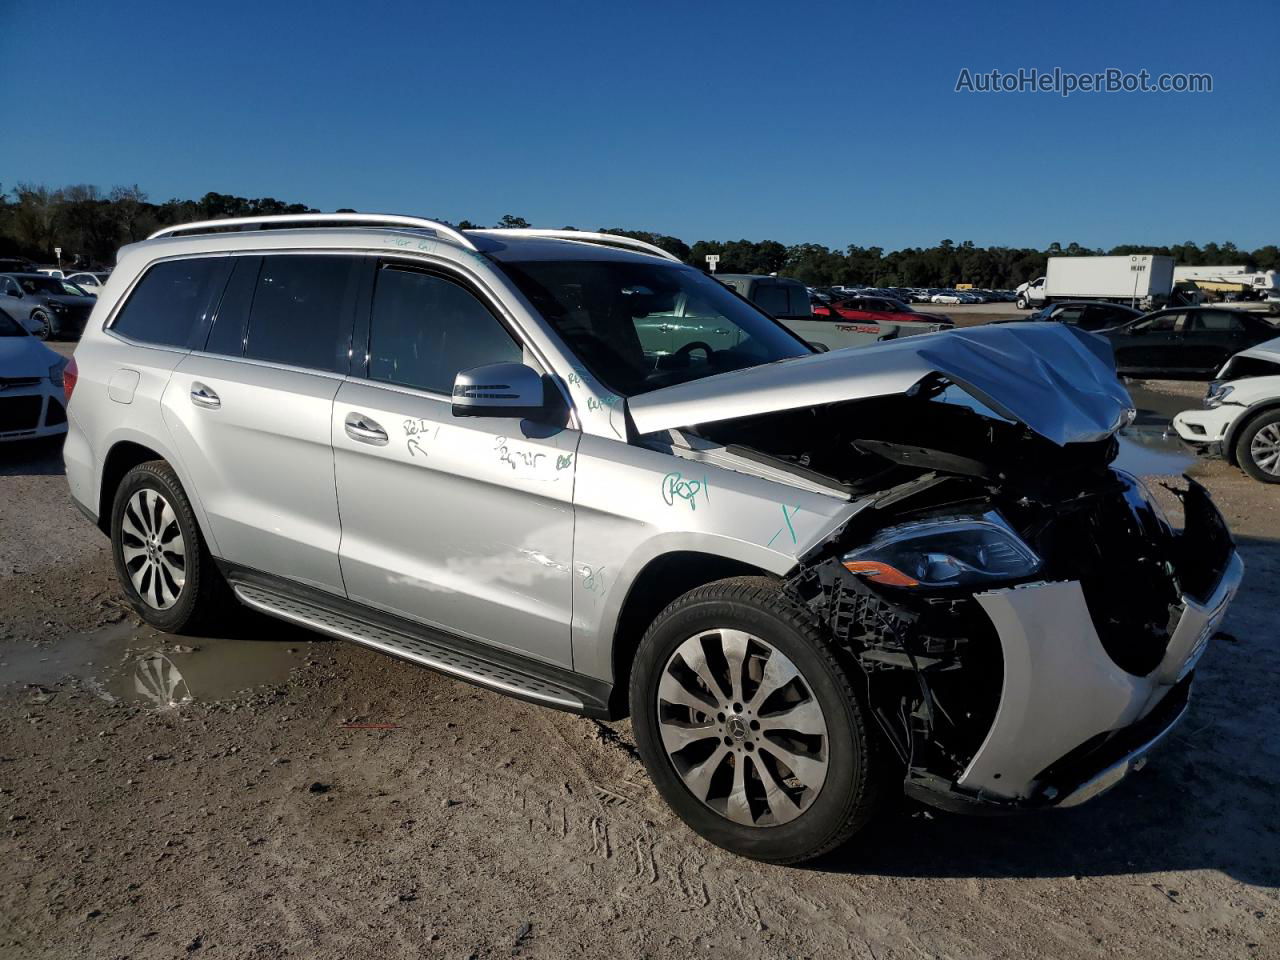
55, 371
1218, 392
944, 553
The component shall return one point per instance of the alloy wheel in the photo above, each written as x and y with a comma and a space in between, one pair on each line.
742, 728
1265, 449
154, 550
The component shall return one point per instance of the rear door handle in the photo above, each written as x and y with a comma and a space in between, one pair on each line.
365, 429
203, 396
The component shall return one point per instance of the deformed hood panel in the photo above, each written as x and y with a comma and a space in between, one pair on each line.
1059, 382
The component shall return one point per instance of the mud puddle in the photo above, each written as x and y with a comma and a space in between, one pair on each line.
124, 662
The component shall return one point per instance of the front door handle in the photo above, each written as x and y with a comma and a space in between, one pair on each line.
365, 429
203, 396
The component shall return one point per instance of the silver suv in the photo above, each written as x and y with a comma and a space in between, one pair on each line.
563, 466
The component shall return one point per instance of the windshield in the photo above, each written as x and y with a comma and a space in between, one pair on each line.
640, 326
9, 327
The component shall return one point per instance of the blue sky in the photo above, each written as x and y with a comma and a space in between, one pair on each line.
832, 123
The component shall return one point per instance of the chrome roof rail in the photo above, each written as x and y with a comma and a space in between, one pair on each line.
442, 230
605, 239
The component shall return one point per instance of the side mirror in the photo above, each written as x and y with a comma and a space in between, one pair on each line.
498, 390
16, 294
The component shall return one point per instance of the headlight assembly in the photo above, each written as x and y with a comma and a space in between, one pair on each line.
1218, 392
944, 553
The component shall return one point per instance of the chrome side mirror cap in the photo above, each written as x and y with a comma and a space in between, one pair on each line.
499, 390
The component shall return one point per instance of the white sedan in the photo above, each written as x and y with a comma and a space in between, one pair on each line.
951, 298
32, 403
91, 283
1240, 421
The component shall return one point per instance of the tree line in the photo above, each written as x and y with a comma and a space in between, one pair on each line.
89, 225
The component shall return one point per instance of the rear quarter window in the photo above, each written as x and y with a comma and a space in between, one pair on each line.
171, 303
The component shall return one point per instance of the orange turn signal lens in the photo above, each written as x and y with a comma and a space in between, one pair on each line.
880, 573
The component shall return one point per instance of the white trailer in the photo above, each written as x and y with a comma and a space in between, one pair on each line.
1144, 281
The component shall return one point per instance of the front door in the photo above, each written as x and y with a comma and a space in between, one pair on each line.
462, 523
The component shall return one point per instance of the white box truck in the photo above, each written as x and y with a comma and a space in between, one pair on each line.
1143, 281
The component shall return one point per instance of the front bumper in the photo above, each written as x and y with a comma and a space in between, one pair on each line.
1071, 724
32, 410
1204, 430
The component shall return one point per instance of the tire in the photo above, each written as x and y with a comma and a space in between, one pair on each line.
1022, 303
44, 329
1258, 447
779, 820
178, 590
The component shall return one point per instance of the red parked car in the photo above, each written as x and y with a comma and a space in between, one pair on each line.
883, 310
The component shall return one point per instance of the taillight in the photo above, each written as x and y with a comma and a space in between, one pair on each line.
69, 376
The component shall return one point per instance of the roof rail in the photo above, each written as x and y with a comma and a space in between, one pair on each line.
444, 231
605, 239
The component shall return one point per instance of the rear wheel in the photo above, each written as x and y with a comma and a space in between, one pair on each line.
161, 559
1258, 447
750, 727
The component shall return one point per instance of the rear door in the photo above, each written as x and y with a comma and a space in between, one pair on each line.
1211, 337
462, 523
251, 412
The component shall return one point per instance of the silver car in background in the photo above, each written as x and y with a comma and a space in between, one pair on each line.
812, 580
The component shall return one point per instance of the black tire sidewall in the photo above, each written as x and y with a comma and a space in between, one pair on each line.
159, 477
46, 326
812, 830
1244, 455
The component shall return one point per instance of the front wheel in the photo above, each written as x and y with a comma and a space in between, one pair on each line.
163, 565
1258, 447
1022, 303
751, 728
43, 328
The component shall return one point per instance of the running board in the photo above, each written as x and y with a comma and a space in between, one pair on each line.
422, 650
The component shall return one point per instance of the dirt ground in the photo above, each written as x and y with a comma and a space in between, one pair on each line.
298, 797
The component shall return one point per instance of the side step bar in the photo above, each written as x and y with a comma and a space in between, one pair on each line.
418, 648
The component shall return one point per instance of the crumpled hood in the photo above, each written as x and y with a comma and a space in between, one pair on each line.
25, 357
1058, 381
1267, 350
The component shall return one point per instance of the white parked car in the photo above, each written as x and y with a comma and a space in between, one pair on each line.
1240, 421
91, 283
31, 396
51, 272
951, 298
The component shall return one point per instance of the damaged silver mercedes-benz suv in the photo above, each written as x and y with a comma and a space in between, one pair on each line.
563, 466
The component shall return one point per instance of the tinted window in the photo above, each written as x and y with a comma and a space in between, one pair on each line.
799, 301
1070, 315
303, 307
1216, 321
772, 299
227, 335
171, 301
1163, 323
424, 329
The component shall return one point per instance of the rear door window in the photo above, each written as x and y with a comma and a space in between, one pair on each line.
425, 328
171, 303
303, 311
772, 299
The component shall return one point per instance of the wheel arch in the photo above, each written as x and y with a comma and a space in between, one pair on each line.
126, 452
1249, 414
662, 579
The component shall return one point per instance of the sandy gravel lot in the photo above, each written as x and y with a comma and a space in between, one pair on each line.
307, 798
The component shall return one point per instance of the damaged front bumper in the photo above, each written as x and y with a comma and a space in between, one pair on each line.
1071, 724
1040, 694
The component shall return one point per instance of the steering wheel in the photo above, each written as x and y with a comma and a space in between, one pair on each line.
681, 356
